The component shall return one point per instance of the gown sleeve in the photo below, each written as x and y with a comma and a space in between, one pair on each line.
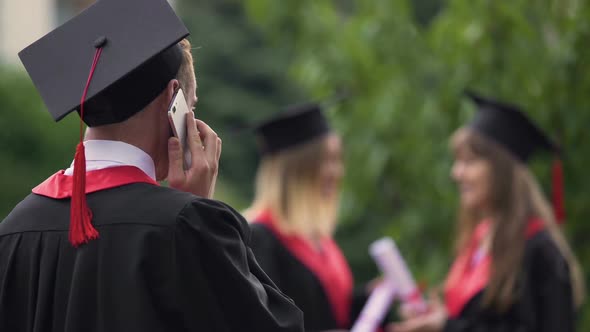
216, 272
553, 297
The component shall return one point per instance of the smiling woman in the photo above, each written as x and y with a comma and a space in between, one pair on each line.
514, 270
495, 185
294, 217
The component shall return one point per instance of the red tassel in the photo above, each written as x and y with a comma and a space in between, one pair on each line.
81, 229
558, 192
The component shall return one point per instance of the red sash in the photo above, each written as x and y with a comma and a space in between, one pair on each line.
60, 185
329, 266
468, 277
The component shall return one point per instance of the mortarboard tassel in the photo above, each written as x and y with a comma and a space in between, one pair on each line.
81, 229
557, 188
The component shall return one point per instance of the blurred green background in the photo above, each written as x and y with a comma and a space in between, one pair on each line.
397, 70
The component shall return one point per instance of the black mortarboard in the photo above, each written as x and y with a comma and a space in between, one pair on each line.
139, 57
507, 125
297, 124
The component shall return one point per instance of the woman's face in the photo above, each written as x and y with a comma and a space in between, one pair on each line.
332, 168
473, 176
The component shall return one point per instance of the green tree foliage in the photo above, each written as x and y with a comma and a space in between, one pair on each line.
404, 72
32, 146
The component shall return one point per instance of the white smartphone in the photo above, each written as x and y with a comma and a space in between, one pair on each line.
177, 118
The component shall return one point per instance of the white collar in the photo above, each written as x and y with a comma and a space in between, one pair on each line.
104, 154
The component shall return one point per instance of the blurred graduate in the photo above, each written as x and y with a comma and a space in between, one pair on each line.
513, 270
294, 214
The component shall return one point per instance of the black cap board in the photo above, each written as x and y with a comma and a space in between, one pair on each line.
508, 126
139, 57
296, 125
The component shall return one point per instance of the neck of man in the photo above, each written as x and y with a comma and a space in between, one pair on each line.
136, 131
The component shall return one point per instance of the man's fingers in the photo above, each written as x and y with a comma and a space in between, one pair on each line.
195, 142
192, 130
175, 162
205, 148
219, 144
210, 143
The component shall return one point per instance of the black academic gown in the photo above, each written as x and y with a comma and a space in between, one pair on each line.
544, 297
165, 260
299, 282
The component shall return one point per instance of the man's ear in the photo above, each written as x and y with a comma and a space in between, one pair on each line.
170, 91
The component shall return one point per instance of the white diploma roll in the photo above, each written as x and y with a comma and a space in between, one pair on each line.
391, 263
375, 309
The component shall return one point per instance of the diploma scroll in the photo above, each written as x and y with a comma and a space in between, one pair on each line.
375, 309
391, 263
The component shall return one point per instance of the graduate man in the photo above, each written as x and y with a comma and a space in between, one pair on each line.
101, 246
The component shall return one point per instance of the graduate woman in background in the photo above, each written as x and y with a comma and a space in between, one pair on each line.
294, 215
514, 270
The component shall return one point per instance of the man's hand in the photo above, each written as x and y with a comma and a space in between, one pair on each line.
205, 147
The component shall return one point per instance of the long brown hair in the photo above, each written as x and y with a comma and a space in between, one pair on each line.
287, 184
515, 197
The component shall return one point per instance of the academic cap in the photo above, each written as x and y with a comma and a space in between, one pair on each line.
296, 125
139, 57
508, 126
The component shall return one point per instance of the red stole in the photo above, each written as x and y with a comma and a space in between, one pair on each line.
329, 266
468, 277
60, 185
